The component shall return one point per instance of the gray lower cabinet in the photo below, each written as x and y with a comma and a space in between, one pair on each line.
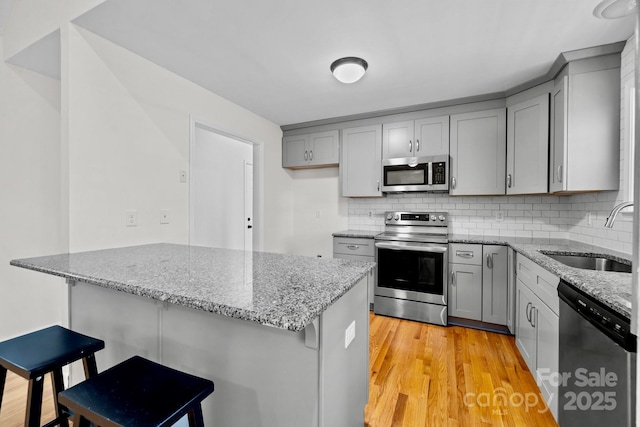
494, 284
512, 257
361, 161
537, 326
478, 282
465, 291
359, 249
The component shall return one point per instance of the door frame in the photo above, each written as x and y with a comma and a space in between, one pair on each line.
258, 172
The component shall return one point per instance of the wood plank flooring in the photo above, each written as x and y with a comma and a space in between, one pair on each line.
427, 375
14, 401
421, 375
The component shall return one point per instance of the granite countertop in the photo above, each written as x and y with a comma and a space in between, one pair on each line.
282, 291
360, 234
611, 288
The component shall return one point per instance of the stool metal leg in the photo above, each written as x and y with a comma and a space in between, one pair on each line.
58, 386
3, 377
195, 417
34, 402
90, 368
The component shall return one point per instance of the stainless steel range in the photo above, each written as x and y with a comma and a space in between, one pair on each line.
412, 257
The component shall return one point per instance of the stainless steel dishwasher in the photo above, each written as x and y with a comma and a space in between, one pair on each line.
597, 373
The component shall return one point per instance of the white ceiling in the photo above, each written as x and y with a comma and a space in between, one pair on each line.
272, 56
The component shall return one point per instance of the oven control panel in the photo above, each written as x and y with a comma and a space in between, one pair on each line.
416, 218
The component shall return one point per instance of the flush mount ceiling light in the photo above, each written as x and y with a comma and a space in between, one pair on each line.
349, 70
614, 9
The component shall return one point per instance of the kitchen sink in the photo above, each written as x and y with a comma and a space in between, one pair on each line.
590, 262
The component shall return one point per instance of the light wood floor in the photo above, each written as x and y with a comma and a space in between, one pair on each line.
14, 401
427, 375
421, 375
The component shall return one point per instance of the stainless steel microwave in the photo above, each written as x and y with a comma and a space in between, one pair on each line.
416, 174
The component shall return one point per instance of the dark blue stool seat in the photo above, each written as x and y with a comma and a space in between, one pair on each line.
33, 355
137, 392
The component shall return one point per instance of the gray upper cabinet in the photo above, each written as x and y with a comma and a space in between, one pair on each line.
585, 126
320, 149
478, 153
398, 140
415, 138
361, 161
528, 146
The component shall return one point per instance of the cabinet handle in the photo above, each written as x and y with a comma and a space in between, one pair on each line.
529, 312
453, 278
453, 182
559, 173
306, 155
378, 185
533, 312
490, 261
410, 146
353, 247
311, 155
509, 181
464, 254
417, 145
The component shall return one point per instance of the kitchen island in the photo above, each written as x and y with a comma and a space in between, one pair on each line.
284, 338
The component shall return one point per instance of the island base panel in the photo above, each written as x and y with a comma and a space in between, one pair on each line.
264, 376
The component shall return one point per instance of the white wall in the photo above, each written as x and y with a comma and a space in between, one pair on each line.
30, 197
128, 139
111, 135
318, 211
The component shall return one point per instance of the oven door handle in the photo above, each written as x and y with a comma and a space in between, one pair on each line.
411, 247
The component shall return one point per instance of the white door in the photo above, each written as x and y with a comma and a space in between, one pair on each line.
218, 193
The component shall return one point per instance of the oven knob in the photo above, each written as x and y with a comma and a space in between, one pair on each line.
441, 218
433, 217
396, 217
389, 217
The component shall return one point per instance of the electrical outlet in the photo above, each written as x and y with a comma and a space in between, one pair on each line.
349, 334
499, 216
131, 218
164, 216
370, 214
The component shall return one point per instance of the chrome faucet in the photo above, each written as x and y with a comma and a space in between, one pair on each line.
614, 212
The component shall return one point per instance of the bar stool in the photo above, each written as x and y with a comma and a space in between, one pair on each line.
33, 355
137, 392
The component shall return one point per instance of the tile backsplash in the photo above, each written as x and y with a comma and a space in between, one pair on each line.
576, 217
